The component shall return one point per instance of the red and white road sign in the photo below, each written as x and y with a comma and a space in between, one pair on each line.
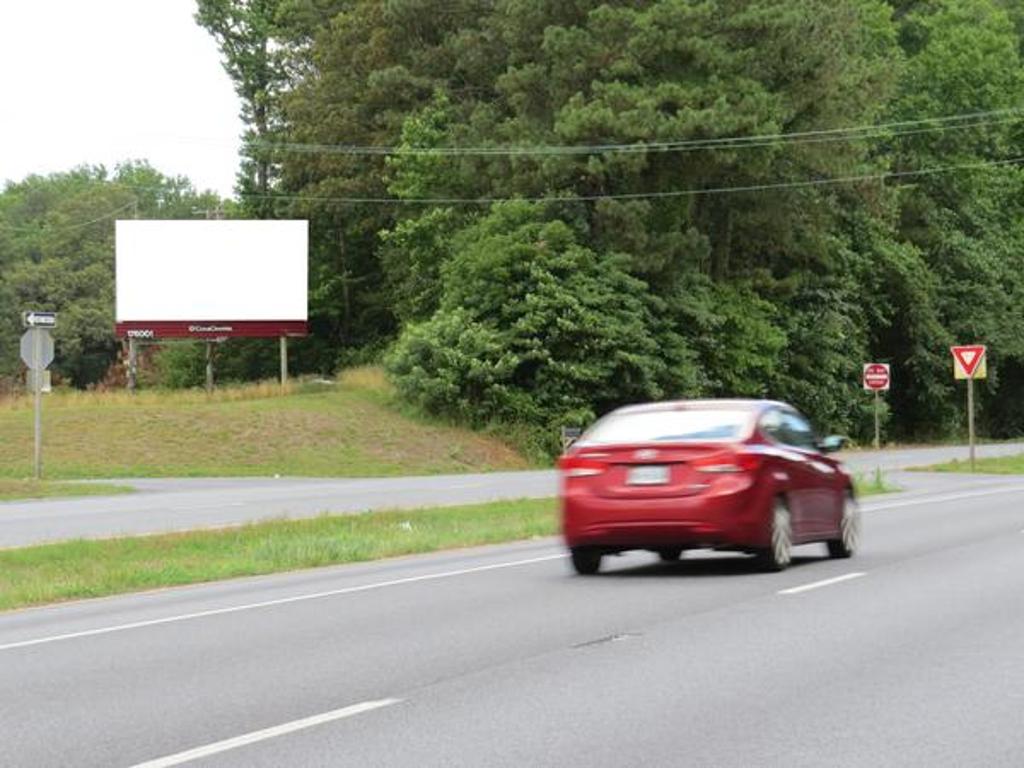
969, 361
876, 377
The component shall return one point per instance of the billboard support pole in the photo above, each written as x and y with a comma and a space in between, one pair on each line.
133, 364
284, 362
209, 366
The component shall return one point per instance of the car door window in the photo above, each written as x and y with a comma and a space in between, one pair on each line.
796, 431
771, 425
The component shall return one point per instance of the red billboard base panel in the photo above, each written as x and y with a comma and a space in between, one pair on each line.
211, 329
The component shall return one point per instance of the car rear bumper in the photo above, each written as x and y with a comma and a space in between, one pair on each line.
737, 519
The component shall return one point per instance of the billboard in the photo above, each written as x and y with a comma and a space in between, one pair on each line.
211, 279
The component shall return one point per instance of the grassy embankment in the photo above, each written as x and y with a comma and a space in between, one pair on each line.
353, 428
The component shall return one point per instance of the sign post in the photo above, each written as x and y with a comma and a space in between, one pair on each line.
969, 362
37, 353
876, 379
569, 436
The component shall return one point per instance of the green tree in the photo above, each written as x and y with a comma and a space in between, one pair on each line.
535, 328
753, 261
57, 237
963, 56
248, 34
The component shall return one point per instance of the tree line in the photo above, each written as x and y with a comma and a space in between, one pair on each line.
534, 210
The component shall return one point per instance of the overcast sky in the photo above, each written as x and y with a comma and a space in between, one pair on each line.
101, 81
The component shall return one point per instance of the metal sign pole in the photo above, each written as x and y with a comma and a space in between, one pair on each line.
878, 432
37, 386
970, 416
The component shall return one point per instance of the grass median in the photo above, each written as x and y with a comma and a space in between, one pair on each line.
51, 573
71, 570
997, 465
873, 483
11, 490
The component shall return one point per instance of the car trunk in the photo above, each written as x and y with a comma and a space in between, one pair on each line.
646, 471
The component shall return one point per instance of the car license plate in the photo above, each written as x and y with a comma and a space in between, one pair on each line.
653, 474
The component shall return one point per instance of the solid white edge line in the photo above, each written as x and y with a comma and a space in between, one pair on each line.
347, 590
279, 601
937, 499
822, 583
262, 735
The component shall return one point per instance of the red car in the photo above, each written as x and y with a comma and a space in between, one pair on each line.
736, 475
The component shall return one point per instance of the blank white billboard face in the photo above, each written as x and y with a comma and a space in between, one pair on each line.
195, 271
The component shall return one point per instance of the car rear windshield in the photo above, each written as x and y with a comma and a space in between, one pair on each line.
669, 426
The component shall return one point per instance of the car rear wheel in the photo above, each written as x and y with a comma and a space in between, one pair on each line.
780, 550
670, 554
849, 530
586, 560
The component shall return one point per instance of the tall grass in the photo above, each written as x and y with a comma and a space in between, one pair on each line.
66, 397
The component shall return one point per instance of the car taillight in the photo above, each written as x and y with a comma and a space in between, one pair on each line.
581, 466
728, 463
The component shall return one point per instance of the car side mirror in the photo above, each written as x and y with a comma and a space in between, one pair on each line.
831, 444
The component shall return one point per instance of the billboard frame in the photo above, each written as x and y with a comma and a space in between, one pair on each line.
177, 325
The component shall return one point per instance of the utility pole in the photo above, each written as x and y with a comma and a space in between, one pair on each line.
133, 351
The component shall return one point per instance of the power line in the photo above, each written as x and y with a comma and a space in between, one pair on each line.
644, 195
71, 227
962, 121
560, 198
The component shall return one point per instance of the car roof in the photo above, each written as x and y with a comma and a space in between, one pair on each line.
737, 404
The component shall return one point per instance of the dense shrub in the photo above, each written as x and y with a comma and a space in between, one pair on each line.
534, 327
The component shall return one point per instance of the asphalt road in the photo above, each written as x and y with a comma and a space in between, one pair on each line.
909, 654
175, 505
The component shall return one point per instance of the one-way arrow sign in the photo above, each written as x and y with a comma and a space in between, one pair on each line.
34, 319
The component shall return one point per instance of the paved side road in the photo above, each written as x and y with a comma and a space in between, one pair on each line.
907, 655
175, 505
906, 458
